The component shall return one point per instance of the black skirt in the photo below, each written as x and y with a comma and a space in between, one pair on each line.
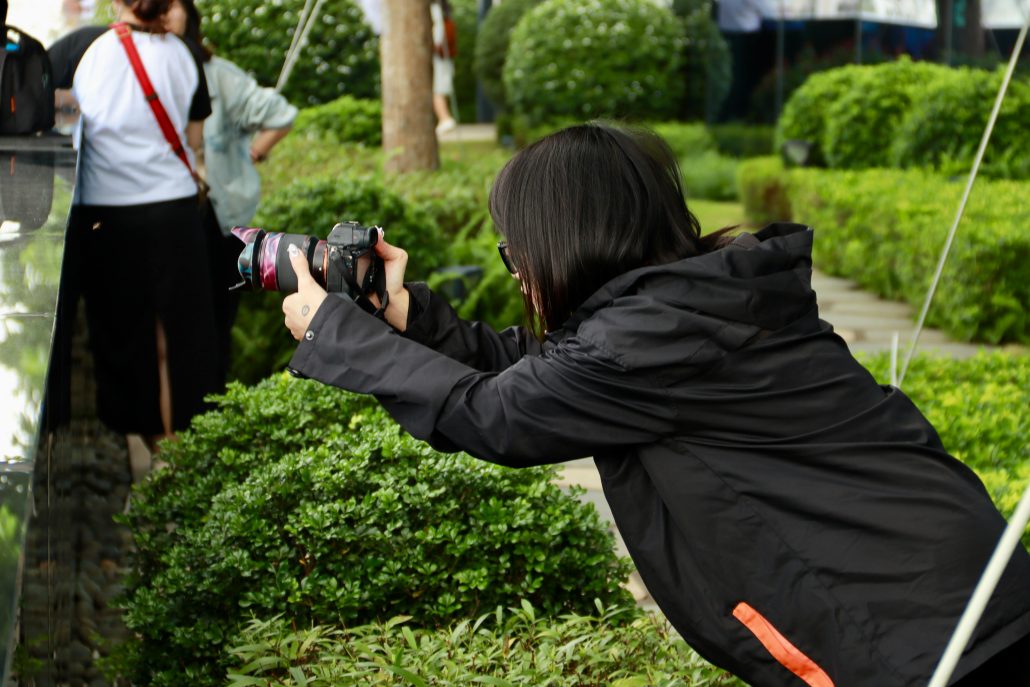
139, 264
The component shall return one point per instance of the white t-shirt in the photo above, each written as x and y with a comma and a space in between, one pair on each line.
124, 157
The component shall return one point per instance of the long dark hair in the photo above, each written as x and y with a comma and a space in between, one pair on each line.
193, 31
587, 204
148, 11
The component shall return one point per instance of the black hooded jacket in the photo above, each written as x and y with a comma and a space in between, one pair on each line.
796, 522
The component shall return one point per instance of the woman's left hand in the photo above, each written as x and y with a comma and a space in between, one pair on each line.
300, 307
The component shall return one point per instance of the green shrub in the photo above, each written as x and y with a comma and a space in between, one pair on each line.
943, 128
804, 115
341, 56
312, 206
686, 140
710, 176
297, 499
595, 58
344, 120
492, 47
706, 61
762, 189
619, 647
860, 122
743, 140
978, 407
885, 229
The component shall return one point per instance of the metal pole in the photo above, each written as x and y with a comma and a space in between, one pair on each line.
292, 58
965, 198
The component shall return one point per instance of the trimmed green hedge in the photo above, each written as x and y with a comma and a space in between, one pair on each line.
861, 122
492, 47
885, 230
297, 499
619, 647
595, 58
762, 188
805, 114
944, 125
344, 120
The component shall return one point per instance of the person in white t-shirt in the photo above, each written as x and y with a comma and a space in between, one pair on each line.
135, 234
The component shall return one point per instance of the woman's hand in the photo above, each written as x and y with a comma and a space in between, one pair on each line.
300, 307
395, 261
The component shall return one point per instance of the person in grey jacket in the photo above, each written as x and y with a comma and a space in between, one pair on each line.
247, 120
797, 523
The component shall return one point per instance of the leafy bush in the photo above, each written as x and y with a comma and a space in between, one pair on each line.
978, 407
761, 187
861, 122
492, 47
710, 176
633, 49
343, 120
312, 206
804, 114
300, 500
619, 647
686, 140
885, 228
706, 61
743, 140
341, 56
944, 126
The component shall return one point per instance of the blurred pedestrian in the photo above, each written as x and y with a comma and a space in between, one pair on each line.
135, 227
445, 48
247, 121
740, 22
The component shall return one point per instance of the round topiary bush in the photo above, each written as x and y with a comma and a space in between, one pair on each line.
860, 124
706, 61
341, 55
261, 343
344, 120
804, 114
492, 46
943, 128
595, 58
299, 500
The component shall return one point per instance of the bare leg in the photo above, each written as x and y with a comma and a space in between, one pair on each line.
441, 108
165, 393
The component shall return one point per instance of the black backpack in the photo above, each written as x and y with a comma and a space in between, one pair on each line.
26, 83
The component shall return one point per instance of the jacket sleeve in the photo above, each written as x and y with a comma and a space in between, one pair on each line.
433, 323
572, 401
251, 107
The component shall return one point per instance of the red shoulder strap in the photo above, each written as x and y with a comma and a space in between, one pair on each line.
124, 34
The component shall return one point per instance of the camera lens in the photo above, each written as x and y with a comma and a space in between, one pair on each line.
264, 262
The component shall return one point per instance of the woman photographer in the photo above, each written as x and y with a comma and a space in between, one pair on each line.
796, 522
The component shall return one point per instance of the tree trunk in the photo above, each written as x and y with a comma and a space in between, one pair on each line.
409, 135
973, 33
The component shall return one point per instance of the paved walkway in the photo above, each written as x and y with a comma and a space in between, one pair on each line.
866, 322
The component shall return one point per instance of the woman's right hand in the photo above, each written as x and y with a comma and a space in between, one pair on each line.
395, 261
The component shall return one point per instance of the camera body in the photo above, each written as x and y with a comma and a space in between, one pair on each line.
344, 263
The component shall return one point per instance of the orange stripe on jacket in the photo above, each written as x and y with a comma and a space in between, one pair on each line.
781, 649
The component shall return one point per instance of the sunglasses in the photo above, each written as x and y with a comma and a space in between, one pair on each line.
502, 248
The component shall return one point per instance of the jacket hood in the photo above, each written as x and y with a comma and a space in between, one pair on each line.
765, 282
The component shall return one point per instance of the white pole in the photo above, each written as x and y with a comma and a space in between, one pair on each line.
296, 35
291, 59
